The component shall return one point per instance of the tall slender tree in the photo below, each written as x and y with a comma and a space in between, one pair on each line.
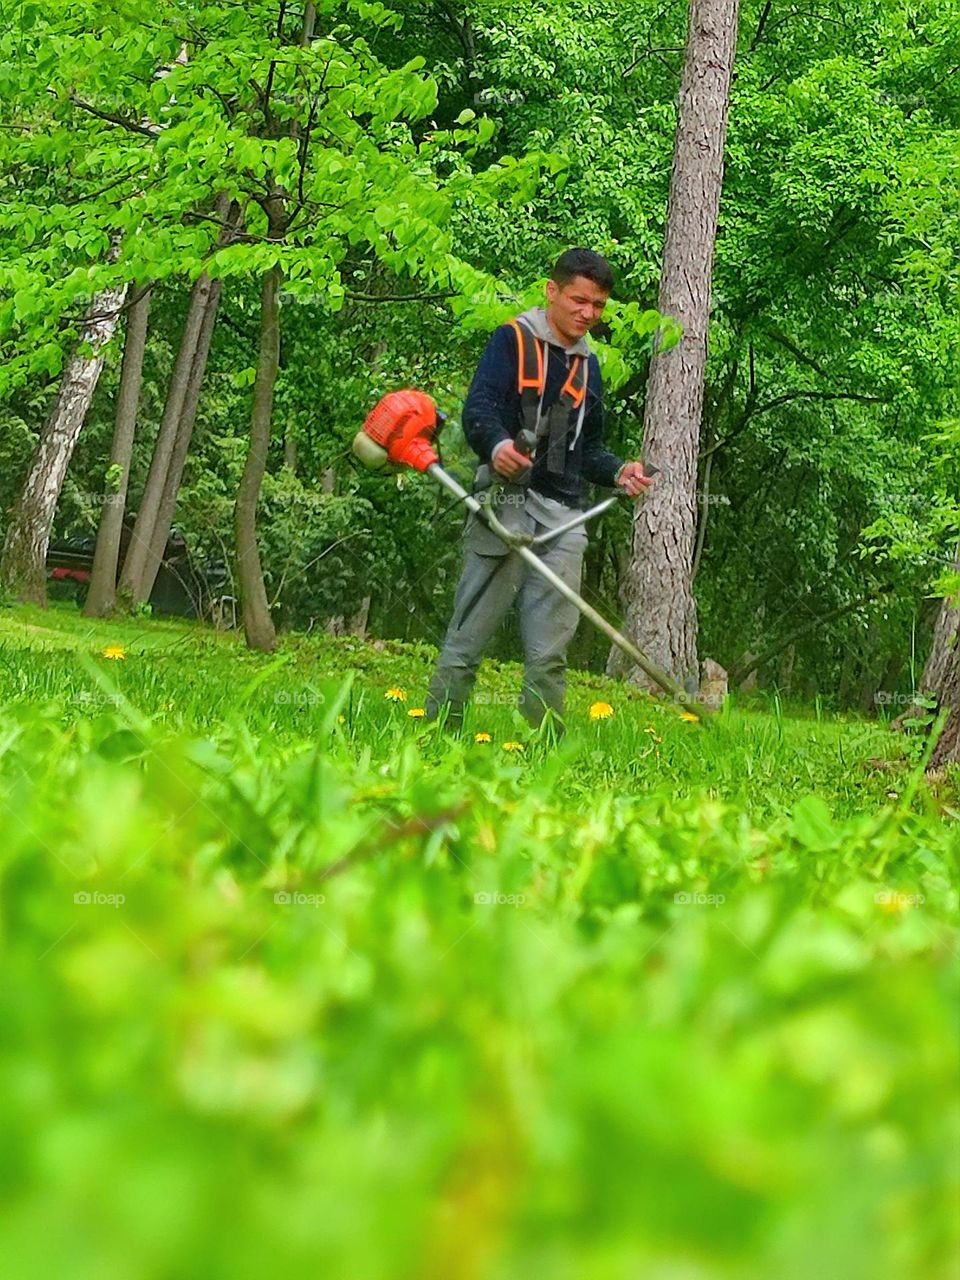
257, 623
133, 575
660, 611
102, 594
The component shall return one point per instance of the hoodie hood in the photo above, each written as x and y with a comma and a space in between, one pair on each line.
536, 321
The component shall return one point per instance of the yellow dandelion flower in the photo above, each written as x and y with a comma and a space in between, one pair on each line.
396, 695
601, 711
417, 712
514, 746
341, 719
114, 651
482, 737
689, 717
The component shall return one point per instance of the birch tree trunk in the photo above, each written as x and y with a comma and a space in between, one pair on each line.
23, 564
102, 595
659, 608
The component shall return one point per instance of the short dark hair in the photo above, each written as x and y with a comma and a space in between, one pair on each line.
583, 262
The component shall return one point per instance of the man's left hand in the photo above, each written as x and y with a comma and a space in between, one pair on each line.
633, 480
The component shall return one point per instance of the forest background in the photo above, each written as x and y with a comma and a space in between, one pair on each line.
398, 180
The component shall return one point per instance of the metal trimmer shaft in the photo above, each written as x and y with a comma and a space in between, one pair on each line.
518, 544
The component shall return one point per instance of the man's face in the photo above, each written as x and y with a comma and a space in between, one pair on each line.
576, 307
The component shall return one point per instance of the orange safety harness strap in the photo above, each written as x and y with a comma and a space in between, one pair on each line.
565, 415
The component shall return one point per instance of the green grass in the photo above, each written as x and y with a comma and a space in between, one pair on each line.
350, 997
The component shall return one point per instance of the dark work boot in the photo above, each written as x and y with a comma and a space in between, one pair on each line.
450, 713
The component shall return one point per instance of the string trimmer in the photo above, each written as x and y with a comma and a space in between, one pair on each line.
401, 430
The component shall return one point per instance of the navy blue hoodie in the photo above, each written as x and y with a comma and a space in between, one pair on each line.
492, 412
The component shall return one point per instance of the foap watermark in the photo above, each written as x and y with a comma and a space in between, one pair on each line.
905, 101
88, 699
893, 900
499, 899
502, 498
494, 699
94, 898
499, 97
288, 299
103, 499
884, 698
684, 899
299, 697
905, 499
294, 898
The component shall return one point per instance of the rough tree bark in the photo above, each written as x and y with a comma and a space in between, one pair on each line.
255, 608
181, 446
947, 750
23, 564
290, 446
133, 575
941, 678
946, 635
159, 500
659, 607
102, 595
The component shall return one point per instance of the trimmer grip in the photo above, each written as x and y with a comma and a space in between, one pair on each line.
525, 442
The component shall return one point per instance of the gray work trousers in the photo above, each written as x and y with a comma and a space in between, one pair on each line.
547, 621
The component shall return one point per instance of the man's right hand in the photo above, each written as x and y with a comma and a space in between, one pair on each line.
509, 462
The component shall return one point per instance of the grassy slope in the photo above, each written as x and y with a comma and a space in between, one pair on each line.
661, 1002
196, 679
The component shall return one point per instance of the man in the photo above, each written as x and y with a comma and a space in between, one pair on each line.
537, 381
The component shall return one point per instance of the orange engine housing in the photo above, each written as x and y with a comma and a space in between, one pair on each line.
405, 423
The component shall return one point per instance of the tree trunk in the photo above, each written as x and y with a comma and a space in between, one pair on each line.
947, 750
133, 577
941, 678
290, 447
943, 646
23, 564
181, 446
946, 636
257, 623
659, 607
290, 452
102, 595
159, 499
356, 625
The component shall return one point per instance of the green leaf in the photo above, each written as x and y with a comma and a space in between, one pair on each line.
811, 823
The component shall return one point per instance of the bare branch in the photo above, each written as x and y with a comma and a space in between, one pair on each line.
760, 26
795, 351
400, 297
123, 122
